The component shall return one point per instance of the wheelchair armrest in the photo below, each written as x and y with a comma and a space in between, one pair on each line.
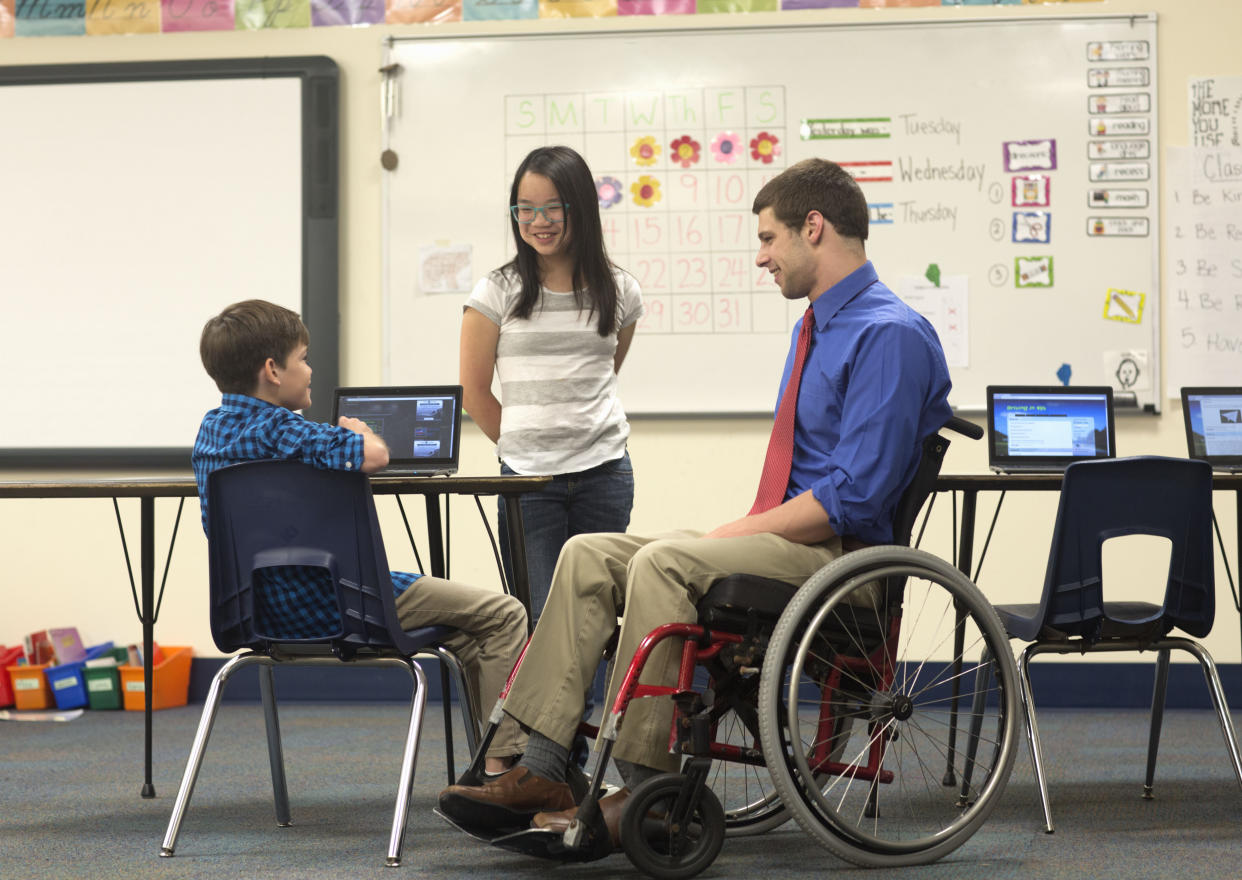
963, 427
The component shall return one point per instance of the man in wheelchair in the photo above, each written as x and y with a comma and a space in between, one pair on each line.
864, 383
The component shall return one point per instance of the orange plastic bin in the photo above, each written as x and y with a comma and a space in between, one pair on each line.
30, 687
170, 679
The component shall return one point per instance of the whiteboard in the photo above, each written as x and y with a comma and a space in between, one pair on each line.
140, 200
1010, 167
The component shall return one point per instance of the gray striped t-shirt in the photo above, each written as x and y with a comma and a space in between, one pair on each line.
558, 390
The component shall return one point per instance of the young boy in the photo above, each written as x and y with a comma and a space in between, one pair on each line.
256, 354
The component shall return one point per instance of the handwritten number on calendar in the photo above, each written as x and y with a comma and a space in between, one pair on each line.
729, 189
694, 313
648, 231
652, 274
691, 273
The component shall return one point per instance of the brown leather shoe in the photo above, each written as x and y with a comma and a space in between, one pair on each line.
610, 807
509, 801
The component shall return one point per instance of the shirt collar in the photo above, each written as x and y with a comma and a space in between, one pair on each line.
834, 298
243, 402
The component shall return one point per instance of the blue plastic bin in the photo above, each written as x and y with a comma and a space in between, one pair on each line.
65, 681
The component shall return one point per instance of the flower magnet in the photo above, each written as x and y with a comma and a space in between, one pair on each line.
646, 191
765, 147
684, 151
726, 147
645, 151
608, 190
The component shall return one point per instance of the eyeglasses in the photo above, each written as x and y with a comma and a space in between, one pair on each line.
553, 213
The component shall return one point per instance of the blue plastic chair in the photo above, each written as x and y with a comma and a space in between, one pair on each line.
269, 513
1144, 495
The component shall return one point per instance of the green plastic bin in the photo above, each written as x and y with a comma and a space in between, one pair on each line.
103, 684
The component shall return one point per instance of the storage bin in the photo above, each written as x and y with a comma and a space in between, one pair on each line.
103, 684
8, 657
30, 690
170, 681
66, 681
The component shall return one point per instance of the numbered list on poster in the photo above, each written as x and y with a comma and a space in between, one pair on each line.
1204, 267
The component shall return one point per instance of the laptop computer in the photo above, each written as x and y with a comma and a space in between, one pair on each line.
1214, 426
1035, 429
420, 424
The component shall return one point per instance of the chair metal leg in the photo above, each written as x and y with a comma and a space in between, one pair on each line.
409, 759
959, 636
1032, 732
448, 721
195, 761
1218, 701
449, 662
1157, 718
275, 751
983, 678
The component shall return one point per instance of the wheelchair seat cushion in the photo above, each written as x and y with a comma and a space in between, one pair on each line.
736, 599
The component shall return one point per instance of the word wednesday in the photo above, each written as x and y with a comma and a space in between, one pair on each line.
911, 169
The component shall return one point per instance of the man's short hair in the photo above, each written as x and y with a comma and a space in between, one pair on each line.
816, 185
237, 342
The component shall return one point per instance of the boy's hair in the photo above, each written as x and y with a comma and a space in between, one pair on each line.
816, 185
237, 342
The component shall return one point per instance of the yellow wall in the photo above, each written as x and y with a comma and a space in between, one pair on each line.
62, 562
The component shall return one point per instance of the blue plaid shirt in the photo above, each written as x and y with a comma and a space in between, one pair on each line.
294, 602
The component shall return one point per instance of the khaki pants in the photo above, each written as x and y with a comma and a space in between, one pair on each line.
492, 631
649, 582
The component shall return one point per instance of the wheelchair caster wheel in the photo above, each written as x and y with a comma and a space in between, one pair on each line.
667, 843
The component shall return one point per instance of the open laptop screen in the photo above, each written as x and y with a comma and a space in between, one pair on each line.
1214, 425
1049, 428
420, 424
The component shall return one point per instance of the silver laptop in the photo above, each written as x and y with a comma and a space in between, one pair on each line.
1214, 426
1044, 429
420, 424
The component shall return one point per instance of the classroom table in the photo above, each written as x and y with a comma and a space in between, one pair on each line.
147, 488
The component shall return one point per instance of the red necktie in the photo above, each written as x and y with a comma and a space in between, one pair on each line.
774, 481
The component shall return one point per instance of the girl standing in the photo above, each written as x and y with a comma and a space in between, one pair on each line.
555, 324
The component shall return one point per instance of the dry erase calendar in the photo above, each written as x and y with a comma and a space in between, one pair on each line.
675, 173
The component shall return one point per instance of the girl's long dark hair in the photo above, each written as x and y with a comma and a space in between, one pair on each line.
595, 287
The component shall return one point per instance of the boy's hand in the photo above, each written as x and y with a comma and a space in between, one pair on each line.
374, 449
358, 426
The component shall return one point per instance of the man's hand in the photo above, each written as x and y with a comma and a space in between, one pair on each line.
745, 526
802, 520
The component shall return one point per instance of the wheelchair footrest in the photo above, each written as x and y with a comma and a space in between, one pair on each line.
548, 844
487, 835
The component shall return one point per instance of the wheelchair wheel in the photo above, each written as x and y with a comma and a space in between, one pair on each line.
661, 847
855, 701
745, 791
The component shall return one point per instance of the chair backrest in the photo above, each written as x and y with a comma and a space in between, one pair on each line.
275, 513
1144, 495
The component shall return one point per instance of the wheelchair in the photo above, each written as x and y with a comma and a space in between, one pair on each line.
834, 704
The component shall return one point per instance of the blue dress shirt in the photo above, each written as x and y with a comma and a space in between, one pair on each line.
295, 602
875, 384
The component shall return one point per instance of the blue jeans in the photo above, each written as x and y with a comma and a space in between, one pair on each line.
595, 500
